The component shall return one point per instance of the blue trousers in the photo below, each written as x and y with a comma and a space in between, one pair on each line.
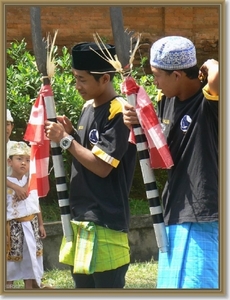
192, 261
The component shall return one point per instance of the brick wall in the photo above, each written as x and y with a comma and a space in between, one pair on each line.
77, 23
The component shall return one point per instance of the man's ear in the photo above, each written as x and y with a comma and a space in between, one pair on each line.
105, 78
9, 161
177, 73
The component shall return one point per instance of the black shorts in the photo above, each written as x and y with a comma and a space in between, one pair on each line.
107, 279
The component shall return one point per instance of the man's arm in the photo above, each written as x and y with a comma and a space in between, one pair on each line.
21, 192
210, 69
40, 224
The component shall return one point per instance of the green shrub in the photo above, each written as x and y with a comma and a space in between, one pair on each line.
51, 211
24, 83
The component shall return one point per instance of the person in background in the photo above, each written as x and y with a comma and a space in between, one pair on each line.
20, 191
24, 229
188, 112
102, 171
9, 129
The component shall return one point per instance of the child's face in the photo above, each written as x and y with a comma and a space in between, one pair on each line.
9, 128
20, 164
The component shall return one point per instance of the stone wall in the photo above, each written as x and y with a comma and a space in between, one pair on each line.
77, 23
143, 246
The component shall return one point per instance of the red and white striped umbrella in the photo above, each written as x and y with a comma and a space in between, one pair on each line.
40, 146
160, 157
152, 150
43, 51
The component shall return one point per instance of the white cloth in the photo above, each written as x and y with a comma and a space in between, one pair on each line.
8, 145
31, 266
19, 209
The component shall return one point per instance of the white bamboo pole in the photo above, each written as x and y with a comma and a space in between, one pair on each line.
150, 184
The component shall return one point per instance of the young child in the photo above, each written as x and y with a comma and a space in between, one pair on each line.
24, 225
9, 129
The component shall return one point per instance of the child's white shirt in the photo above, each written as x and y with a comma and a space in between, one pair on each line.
22, 208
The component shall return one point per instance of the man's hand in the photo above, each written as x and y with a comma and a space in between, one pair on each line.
65, 121
54, 131
21, 193
210, 70
130, 115
42, 232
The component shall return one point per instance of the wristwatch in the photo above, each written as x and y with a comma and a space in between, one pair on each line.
66, 142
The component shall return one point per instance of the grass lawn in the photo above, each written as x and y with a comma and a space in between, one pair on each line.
139, 276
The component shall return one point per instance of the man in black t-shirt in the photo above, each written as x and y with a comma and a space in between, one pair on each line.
101, 176
188, 112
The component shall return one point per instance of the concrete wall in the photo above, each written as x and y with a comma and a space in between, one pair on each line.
143, 246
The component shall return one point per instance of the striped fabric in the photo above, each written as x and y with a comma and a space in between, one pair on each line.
40, 145
59, 170
132, 90
81, 252
94, 248
160, 156
105, 157
113, 249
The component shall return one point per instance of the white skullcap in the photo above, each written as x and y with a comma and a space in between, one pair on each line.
173, 53
9, 117
19, 148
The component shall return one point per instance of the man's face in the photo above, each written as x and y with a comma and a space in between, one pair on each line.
87, 86
167, 82
9, 128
